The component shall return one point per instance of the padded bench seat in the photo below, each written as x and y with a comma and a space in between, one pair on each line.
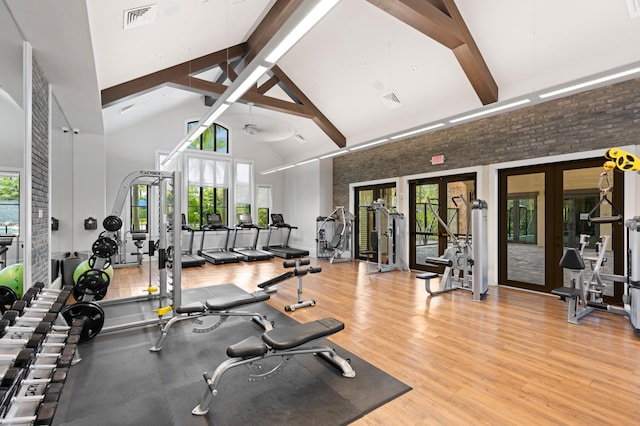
570, 292
223, 303
427, 276
283, 338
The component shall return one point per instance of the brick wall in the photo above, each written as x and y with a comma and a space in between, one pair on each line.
40, 177
600, 118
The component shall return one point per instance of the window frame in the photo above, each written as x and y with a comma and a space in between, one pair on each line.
14, 174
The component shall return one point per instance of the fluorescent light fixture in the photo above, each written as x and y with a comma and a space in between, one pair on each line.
413, 132
196, 133
244, 86
333, 154
590, 83
489, 111
312, 18
306, 162
355, 148
268, 172
285, 167
214, 115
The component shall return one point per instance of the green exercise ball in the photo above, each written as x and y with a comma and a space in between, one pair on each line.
84, 266
11, 277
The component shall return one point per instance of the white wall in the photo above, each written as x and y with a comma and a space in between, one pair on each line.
89, 183
61, 189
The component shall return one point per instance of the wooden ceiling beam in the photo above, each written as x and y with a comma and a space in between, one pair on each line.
279, 13
441, 20
471, 60
124, 91
203, 87
318, 117
424, 17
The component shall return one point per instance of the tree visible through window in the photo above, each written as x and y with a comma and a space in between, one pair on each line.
214, 139
207, 190
139, 208
9, 203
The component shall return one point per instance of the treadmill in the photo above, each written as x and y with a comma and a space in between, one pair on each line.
188, 258
220, 255
283, 250
249, 254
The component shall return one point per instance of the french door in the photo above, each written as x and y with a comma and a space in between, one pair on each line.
545, 209
444, 197
365, 218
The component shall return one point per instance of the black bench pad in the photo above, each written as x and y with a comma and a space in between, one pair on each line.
289, 337
249, 347
222, 303
192, 308
427, 276
570, 292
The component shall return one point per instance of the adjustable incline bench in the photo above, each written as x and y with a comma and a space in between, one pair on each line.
283, 342
218, 306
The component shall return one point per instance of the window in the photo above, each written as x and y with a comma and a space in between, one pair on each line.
264, 205
214, 139
9, 203
208, 189
139, 212
244, 179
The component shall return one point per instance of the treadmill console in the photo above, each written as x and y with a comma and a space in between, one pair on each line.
277, 220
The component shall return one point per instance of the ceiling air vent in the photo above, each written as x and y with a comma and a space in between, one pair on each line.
139, 16
391, 101
634, 8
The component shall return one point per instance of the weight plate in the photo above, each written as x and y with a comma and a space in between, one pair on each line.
79, 296
91, 314
104, 247
93, 259
92, 282
112, 223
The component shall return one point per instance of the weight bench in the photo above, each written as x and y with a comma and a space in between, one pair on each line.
283, 342
218, 306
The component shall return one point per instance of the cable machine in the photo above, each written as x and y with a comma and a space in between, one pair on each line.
334, 236
92, 285
390, 224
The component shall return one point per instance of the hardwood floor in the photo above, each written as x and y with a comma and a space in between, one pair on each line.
511, 359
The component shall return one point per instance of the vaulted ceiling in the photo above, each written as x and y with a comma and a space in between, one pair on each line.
369, 69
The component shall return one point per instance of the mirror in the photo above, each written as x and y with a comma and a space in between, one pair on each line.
12, 138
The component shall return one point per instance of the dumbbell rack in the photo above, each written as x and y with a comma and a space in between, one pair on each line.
37, 348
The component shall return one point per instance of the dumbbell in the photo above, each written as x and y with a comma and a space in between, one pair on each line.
34, 303
9, 362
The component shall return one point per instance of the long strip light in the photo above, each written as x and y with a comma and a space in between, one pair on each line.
208, 121
333, 154
413, 132
490, 111
312, 18
355, 148
590, 83
302, 163
248, 82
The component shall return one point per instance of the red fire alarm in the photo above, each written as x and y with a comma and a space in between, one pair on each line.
437, 159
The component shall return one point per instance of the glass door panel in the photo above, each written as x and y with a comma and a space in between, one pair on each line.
365, 218
525, 217
426, 230
447, 198
579, 197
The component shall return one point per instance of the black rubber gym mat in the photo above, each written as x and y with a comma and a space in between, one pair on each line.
120, 382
